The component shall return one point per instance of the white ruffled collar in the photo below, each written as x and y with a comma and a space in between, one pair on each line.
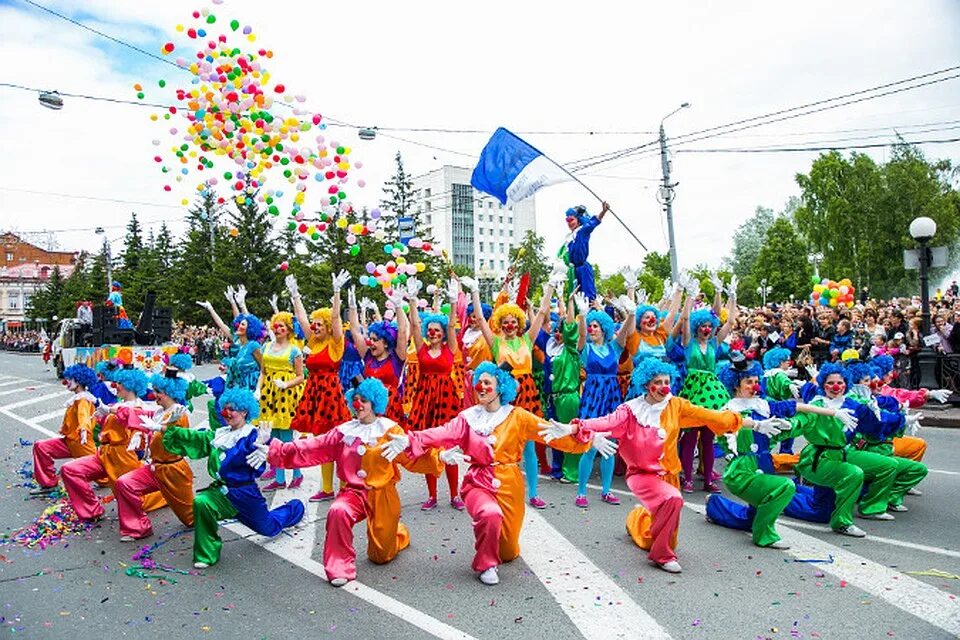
769, 373
169, 416
225, 437
470, 336
755, 404
366, 433
83, 395
834, 403
483, 422
647, 415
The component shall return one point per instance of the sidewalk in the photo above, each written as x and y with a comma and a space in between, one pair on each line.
941, 415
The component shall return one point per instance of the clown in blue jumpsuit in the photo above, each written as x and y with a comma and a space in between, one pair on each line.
576, 249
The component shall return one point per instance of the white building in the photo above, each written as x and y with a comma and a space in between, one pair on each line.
474, 228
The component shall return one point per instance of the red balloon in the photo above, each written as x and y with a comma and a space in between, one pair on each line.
279, 88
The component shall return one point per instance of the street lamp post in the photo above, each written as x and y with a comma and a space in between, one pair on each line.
106, 252
763, 290
666, 194
922, 230
815, 259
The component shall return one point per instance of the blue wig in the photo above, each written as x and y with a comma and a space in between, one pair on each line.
371, 390
255, 328
602, 319
701, 316
731, 376
858, 371
506, 383
386, 331
648, 369
579, 212
486, 309
241, 400
181, 361
434, 318
883, 364
775, 357
827, 370
176, 388
105, 369
133, 380
645, 308
81, 374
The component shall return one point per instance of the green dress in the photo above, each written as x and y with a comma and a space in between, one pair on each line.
701, 385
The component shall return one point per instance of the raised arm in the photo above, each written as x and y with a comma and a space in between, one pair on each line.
224, 329
336, 324
629, 324
357, 332
403, 325
684, 321
241, 297
478, 314
732, 312
298, 311
231, 295
670, 322
542, 313
453, 292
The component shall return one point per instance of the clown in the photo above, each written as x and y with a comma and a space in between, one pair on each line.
828, 459
368, 482
76, 428
491, 436
281, 387
647, 429
115, 300
383, 350
178, 366
321, 405
234, 492
779, 384
104, 388
511, 345
436, 400
600, 351
703, 339
475, 347
117, 453
576, 249
750, 472
162, 471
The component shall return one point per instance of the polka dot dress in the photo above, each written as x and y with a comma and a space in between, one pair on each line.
277, 406
322, 406
436, 401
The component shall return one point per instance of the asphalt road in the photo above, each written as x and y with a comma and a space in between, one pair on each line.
578, 576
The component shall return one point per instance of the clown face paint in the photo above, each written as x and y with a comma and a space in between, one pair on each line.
658, 388
434, 333
834, 385
509, 325
648, 321
362, 409
572, 223
486, 389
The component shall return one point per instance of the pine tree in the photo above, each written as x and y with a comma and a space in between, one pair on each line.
193, 277
46, 302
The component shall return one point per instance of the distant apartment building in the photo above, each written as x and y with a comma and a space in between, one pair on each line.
24, 269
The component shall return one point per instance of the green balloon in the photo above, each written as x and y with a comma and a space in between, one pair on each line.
445, 308
234, 24
211, 19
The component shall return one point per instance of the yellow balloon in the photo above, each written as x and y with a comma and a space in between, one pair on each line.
342, 223
420, 267
401, 260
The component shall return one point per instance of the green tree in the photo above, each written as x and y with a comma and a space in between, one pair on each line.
747, 241
46, 302
528, 257
193, 276
782, 262
399, 199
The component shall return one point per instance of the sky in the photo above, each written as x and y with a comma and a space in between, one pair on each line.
529, 66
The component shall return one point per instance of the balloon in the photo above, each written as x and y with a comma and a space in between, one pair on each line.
363, 280
354, 250
370, 267
234, 24
814, 295
833, 302
844, 289
814, 280
352, 239
849, 304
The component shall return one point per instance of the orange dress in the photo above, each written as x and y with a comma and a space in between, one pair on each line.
322, 406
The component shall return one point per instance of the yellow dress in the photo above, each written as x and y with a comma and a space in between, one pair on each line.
277, 406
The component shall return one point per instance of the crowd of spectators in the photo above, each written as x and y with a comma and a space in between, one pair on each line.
22, 341
205, 344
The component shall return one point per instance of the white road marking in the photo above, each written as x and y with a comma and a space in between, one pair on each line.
29, 423
298, 550
24, 403
917, 598
43, 417
946, 473
575, 582
7, 383
10, 392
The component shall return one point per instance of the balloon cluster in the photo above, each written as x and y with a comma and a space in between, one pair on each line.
829, 293
230, 122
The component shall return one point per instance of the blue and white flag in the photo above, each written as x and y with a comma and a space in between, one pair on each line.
510, 169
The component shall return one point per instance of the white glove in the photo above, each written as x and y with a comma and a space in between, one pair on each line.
258, 457
940, 395
513, 289
771, 426
629, 277
367, 304
340, 279
716, 282
795, 387
847, 419
642, 297
230, 294
292, 287
558, 275
452, 456
627, 305
273, 303
553, 430
279, 384
604, 445
812, 371
149, 423
205, 304
731, 439
693, 290
453, 290
413, 287
102, 410
669, 288
732, 287
581, 303
352, 297
136, 441
241, 295
468, 283
84, 434
790, 373
399, 442
913, 419
395, 297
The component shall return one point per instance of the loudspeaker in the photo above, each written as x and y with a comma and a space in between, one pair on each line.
103, 315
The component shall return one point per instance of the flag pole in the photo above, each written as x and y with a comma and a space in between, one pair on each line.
600, 200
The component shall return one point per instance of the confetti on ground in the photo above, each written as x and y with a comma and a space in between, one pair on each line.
145, 557
828, 560
57, 522
934, 573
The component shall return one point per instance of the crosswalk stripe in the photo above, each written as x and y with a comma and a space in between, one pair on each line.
43, 417
29, 423
943, 472
34, 400
10, 392
7, 383
916, 598
790, 522
574, 582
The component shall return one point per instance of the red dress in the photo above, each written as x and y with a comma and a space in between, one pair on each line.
322, 406
436, 401
388, 372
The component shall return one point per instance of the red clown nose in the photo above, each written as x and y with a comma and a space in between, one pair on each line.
357, 403
756, 388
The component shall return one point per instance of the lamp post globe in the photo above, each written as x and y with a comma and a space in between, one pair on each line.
922, 229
